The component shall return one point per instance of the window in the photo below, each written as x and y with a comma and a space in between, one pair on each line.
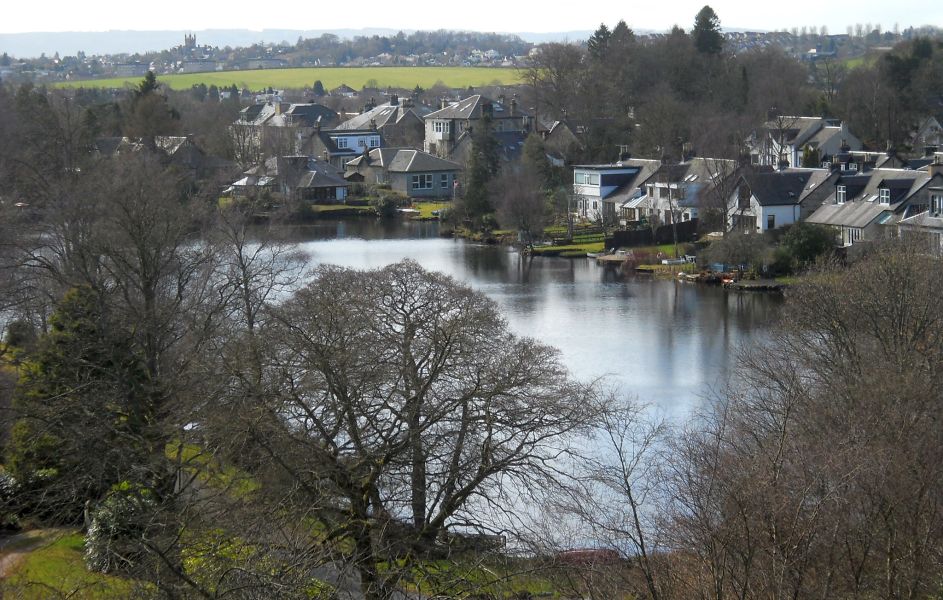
885, 195
341, 142
840, 192
375, 141
441, 126
361, 142
936, 204
743, 197
444, 180
585, 178
422, 182
771, 222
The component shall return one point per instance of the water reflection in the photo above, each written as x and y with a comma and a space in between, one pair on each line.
666, 342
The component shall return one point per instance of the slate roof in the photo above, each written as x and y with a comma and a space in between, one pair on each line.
381, 115
862, 205
298, 172
326, 135
798, 129
785, 188
470, 108
405, 160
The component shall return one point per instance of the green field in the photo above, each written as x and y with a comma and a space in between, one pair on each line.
331, 77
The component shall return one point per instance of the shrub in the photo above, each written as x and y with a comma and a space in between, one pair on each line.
385, 205
123, 517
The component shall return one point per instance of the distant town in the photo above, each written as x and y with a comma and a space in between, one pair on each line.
440, 48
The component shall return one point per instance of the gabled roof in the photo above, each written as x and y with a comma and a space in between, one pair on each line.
785, 188
797, 130
382, 115
470, 108
405, 160
862, 205
295, 172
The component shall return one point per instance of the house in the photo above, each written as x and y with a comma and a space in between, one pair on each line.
867, 206
400, 122
601, 190
767, 200
180, 152
198, 65
135, 69
344, 91
338, 146
451, 125
560, 141
927, 136
266, 63
411, 172
786, 139
293, 178
277, 128
681, 190
928, 224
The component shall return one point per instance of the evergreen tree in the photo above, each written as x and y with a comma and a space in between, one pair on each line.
707, 36
213, 93
598, 43
621, 39
318, 89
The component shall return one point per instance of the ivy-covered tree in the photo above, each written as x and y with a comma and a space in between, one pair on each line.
79, 419
483, 165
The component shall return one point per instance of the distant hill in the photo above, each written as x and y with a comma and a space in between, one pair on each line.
32, 45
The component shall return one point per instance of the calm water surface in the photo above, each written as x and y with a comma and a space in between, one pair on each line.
668, 343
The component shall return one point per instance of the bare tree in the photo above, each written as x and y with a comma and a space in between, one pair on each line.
816, 475
400, 413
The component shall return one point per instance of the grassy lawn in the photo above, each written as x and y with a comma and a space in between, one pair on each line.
57, 570
570, 249
326, 208
491, 578
331, 77
427, 208
211, 472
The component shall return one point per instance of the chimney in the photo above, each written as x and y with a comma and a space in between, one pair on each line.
278, 107
513, 107
936, 167
889, 149
394, 100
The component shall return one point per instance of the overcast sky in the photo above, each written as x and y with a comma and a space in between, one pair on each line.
480, 15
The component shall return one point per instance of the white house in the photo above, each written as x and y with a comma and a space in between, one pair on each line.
864, 206
600, 189
787, 137
765, 201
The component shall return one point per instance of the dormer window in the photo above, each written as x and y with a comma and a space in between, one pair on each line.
840, 192
341, 142
885, 195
